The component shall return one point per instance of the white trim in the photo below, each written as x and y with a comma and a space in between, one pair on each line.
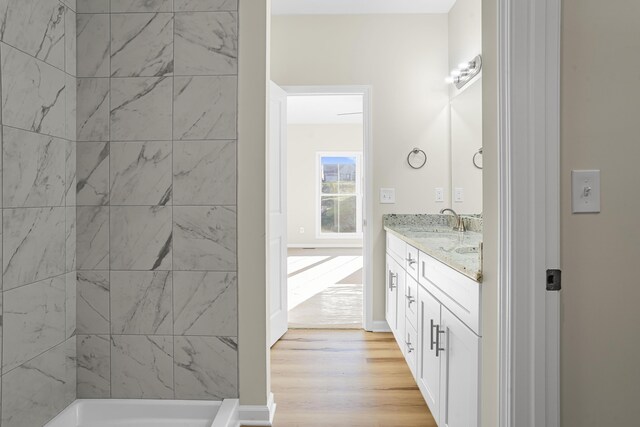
379, 326
256, 415
324, 245
367, 204
529, 81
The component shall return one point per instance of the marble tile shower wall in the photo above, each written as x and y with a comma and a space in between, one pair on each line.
38, 155
156, 195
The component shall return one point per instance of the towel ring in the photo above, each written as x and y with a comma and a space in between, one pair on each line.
475, 159
411, 158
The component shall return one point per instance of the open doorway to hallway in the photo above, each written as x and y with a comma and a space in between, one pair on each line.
325, 186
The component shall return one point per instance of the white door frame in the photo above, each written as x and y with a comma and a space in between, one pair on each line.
367, 167
529, 180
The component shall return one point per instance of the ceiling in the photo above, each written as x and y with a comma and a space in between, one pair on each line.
324, 109
353, 7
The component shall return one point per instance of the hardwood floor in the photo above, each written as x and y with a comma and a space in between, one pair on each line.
347, 378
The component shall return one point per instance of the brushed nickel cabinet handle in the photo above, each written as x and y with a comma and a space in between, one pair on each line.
438, 348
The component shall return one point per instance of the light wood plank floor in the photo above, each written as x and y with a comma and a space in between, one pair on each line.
347, 378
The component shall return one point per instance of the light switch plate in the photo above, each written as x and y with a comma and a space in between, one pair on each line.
388, 195
585, 191
439, 194
458, 194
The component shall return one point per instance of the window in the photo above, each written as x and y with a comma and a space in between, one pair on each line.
340, 195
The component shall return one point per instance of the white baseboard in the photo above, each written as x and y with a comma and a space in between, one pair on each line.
380, 326
323, 245
256, 415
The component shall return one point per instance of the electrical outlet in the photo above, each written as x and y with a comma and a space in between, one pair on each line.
301, 230
585, 191
458, 194
439, 194
388, 195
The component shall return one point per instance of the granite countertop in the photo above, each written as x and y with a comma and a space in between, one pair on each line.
435, 236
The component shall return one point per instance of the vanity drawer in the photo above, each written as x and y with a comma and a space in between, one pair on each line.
397, 248
411, 261
411, 301
411, 348
460, 294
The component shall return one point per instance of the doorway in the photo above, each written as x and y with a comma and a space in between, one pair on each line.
326, 160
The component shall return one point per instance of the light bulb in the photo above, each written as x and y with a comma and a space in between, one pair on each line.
463, 65
455, 73
449, 80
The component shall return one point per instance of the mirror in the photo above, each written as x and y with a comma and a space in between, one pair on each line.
466, 145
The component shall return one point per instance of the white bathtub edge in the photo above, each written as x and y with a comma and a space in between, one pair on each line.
227, 415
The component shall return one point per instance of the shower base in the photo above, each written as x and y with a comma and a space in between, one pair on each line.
147, 413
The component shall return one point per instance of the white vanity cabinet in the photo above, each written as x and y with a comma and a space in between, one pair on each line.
434, 312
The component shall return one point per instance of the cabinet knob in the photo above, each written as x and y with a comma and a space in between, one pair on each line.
410, 300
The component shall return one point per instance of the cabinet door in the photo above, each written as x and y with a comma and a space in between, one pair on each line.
401, 307
392, 294
459, 373
428, 369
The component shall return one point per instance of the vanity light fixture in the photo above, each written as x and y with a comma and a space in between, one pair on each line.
465, 72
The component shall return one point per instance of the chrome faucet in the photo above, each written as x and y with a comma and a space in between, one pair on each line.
459, 222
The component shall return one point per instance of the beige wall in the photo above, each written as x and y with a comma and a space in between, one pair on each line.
253, 294
601, 252
404, 58
490, 198
303, 144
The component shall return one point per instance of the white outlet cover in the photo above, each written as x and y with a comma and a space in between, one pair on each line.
585, 191
387, 195
458, 194
439, 194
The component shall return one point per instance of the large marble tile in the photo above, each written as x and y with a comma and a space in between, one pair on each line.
34, 169
206, 368
33, 93
93, 304
70, 41
205, 303
44, 20
93, 237
120, 6
71, 236
141, 367
141, 302
141, 44
204, 172
93, 110
34, 320
140, 238
71, 181
70, 280
94, 367
93, 45
40, 388
93, 6
93, 173
205, 107
141, 109
33, 245
141, 173
206, 43
204, 238
205, 5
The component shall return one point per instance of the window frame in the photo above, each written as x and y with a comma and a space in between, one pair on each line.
359, 195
